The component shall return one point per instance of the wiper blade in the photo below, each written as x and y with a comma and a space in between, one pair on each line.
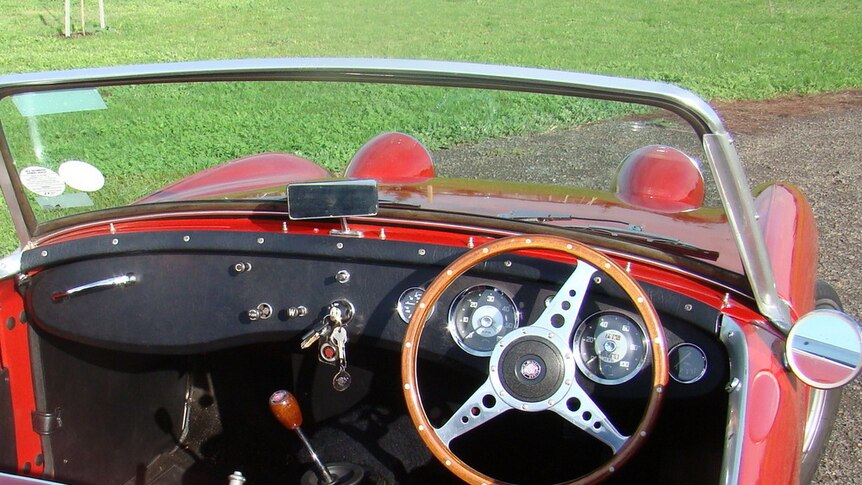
540, 216
397, 203
636, 234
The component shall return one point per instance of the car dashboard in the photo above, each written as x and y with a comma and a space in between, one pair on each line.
177, 296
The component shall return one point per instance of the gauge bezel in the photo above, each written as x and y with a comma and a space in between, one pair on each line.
400, 307
582, 366
670, 365
452, 326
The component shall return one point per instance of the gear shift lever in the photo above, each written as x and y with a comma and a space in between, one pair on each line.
285, 408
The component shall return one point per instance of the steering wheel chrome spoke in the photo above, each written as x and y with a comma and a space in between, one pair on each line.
579, 409
562, 312
478, 409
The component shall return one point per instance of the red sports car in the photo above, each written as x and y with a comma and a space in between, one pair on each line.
349, 271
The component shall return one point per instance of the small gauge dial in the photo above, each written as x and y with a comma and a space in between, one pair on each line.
479, 317
407, 303
687, 363
610, 347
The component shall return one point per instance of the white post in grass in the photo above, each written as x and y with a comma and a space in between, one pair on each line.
83, 27
102, 14
68, 27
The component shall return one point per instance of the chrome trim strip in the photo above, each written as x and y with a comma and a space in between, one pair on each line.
739, 207
737, 349
10, 265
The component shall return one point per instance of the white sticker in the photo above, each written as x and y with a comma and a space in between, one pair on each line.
42, 181
81, 176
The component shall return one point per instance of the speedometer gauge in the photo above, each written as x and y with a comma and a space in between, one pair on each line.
610, 347
479, 317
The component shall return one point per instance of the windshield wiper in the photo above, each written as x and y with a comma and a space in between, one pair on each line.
636, 234
539, 216
631, 232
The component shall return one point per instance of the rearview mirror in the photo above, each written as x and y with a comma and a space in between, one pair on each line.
332, 198
824, 349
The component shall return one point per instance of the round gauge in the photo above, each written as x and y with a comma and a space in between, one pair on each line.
479, 317
687, 363
610, 347
407, 303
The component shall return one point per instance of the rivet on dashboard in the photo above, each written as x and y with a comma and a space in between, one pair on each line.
260, 240
485, 250
551, 402
407, 386
421, 427
643, 434
528, 241
568, 382
408, 344
115, 241
493, 368
568, 356
507, 264
422, 305
448, 272
569, 246
339, 245
687, 307
44, 253
659, 389
597, 280
640, 299
186, 239
607, 265
524, 407
612, 469
421, 252
448, 462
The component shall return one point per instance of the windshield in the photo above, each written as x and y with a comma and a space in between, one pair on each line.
551, 159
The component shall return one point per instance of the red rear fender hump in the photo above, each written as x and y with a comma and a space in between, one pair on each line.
392, 158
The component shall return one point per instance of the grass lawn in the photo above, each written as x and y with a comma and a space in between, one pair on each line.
728, 50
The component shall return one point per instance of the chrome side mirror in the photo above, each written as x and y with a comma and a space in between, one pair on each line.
824, 349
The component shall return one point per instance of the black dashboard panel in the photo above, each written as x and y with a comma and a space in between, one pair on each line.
192, 293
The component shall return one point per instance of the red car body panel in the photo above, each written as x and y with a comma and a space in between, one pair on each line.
790, 233
15, 356
247, 173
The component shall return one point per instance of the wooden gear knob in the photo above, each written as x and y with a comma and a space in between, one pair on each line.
285, 408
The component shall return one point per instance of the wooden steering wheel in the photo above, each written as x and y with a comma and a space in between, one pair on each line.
553, 390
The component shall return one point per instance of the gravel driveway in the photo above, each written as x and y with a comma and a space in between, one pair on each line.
814, 143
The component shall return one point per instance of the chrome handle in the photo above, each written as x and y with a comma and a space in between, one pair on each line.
124, 280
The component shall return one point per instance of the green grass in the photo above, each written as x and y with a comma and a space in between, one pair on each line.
726, 50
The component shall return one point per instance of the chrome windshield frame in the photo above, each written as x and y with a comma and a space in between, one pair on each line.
723, 159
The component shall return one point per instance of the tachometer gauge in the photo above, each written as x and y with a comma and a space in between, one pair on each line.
687, 363
610, 347
479, 317
407, 303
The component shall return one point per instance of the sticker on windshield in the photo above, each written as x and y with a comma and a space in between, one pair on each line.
81, 176
65, 201
42, 181
55, 102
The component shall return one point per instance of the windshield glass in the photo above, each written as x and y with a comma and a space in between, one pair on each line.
88, 149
